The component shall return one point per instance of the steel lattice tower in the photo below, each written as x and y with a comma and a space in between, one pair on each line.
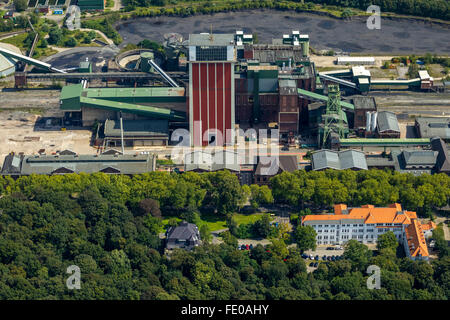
332, 118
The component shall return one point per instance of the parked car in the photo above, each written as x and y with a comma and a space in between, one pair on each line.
324, 258
333, 258
316, 264
243, 247
329, 258
330, 248
305, 256
247, 247
311, 264
311, 256
316, 257
251, 246
339, 248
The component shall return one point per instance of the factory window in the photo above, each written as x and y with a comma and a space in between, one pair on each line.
211, 53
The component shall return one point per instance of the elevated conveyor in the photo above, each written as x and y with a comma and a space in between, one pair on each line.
29, 60
337, 80
320, 98
163, 74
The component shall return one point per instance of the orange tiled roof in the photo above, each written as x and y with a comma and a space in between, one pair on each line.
368, 213
429, 226
416, 239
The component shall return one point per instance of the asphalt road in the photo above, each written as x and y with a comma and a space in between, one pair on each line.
394, 37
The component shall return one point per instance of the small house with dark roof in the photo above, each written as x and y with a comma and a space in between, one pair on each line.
184, 236
270, 166
443, 159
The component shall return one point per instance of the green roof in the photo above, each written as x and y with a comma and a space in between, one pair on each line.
133, 108
385, 142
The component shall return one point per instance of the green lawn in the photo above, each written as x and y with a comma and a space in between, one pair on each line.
216, 222
246, 218
17, 40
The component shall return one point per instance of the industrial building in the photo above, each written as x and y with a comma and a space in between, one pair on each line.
433, 127
367, 223
85, 106
136, 133
271, 166
338, 160
91, 5
355, 61
211, 88
387, 125
20, 165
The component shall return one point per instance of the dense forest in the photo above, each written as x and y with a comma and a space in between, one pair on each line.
108, 225
422, 8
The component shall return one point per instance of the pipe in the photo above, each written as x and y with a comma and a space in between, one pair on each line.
121, 133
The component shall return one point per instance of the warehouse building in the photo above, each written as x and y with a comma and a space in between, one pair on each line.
91, 5
204, 161
387, 125
428, 127
368, 61
19, 165
85, 106
338, 160
136, 133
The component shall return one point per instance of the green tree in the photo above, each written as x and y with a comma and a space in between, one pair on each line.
55, 35
20, 5
305, 237
387, 240
358, 253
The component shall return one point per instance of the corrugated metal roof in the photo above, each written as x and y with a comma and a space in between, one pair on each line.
324, 159
5, 64
59, 164
348, 159
434, 127
420, 157
387, 121
353, 159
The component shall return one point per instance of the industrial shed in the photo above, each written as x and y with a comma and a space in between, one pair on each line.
63, 164
433, 127
355, 60
338, 160
136, 133
387, 125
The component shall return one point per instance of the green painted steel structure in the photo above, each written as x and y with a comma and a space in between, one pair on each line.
74, 97
384, 142
321, 98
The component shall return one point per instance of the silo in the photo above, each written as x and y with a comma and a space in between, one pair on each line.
145, 65
374, 121
368, 121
